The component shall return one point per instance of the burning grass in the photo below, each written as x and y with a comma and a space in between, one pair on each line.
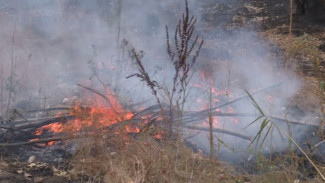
91, 119
101, 154
116, 156
104, 157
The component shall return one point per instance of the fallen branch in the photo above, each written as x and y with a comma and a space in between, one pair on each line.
9, 129
35, 123
151, 109
199, 117
306, 123
51, 109
207, 111
33, 142
218, 130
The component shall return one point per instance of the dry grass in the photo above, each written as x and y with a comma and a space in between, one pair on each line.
118, 159
286, 167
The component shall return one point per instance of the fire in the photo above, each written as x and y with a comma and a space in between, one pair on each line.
216, 95
270, 98
96, 116
54, 127
100, 113
132, 129
159, 135
43, 144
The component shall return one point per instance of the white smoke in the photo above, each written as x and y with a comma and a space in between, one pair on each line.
62, 42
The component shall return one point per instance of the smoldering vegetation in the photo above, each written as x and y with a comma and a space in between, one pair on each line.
48, 46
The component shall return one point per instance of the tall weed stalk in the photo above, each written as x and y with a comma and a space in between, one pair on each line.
1, 89
183, 53
10, 85
211, 127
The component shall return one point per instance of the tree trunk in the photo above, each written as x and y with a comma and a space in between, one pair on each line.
312, 9
299, 7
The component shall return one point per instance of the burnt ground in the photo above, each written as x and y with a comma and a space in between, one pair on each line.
271, 19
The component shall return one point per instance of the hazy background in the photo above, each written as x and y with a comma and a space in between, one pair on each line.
51, 45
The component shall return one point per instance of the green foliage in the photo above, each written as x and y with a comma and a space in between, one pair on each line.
269, 125
266, 123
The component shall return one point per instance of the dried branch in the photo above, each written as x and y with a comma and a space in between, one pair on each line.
218, 130
11, 70
191, 118
206, 112
33, 142
146, 127
36, 123
63, 108
143, 74
180, 57
182, 37
96, 92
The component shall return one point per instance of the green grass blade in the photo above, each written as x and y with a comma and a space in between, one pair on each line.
267, 133
253, 122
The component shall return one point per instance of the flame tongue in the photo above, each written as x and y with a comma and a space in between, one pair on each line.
115, 104
216, 95
95, 117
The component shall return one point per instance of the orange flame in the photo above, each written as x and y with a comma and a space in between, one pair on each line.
270, 98
97, 116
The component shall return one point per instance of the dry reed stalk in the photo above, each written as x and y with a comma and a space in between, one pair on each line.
211, 126
183, 55
1, 89
11, 71
291, 16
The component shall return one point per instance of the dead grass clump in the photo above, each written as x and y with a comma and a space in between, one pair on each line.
282, 167
118, 159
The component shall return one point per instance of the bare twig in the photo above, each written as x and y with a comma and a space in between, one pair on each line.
94, 91
119, 14
316, 145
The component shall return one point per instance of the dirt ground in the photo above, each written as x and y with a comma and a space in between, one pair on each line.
13, 170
